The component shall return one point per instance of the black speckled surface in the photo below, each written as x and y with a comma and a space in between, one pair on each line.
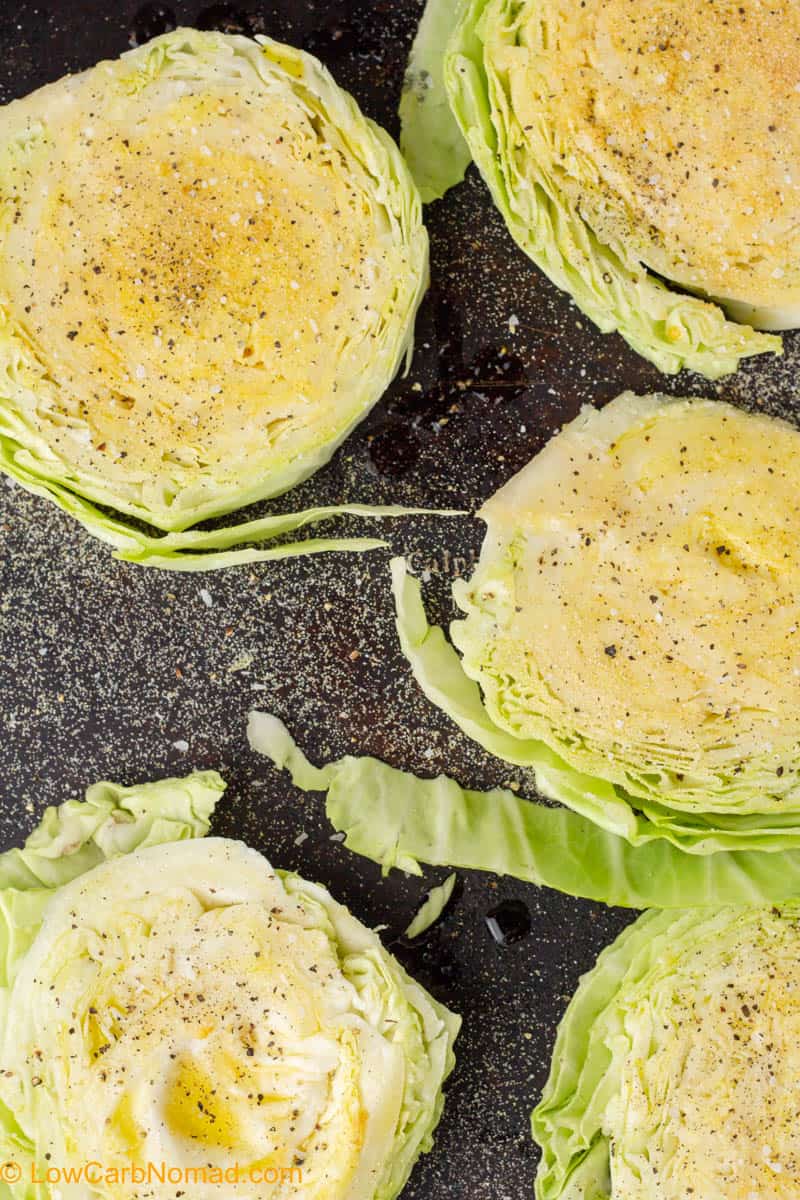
109, 671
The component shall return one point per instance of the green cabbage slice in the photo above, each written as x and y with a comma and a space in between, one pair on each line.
466, 44
674, 1065
119, 874
399, 821
211, 276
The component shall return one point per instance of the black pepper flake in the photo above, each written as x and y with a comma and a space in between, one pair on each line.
611, 650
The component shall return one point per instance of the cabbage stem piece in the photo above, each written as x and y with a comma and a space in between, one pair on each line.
170, 998
432, 908
210, 265
674, 1070
399, 821
599, 132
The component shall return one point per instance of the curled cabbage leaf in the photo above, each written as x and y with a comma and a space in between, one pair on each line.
168, 999
210, 265
399, 821
674, 1070
599, 133
631, 629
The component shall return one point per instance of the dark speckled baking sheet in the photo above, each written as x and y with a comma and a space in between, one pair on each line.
109, 671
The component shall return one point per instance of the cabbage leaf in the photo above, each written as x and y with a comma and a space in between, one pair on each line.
399, 821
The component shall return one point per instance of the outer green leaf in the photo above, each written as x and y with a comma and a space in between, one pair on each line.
431, 139
197, 549
670, 328
398, 820
110, 821
567, 1122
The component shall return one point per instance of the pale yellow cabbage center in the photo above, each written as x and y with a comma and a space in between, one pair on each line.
674, 129
182, 1006
197, 275
709, 1061
636, 603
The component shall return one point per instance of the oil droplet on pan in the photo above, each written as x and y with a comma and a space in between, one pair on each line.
509, 922
394, 450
